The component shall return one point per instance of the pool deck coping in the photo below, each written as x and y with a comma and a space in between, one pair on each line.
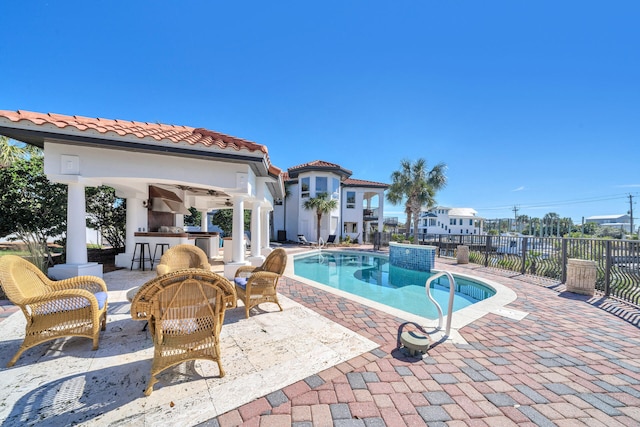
461, 318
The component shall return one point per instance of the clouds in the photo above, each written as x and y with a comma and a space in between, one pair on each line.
518, 189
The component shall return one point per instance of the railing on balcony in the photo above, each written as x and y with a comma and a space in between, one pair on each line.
370, 214
617, 261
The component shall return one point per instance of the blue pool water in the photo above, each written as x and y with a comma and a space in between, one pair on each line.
370, 276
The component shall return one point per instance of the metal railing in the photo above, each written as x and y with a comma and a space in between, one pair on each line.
452, 292
617, 261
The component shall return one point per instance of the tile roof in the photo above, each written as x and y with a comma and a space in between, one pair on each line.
316, 163
125, 128
350, 182
294, 171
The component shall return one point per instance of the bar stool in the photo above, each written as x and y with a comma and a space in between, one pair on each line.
142, 258
163, 247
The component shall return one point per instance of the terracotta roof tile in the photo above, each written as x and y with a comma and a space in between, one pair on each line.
141, 130
157, 131
316, 163
362, 183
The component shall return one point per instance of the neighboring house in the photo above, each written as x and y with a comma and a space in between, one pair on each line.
360, 203
622, 222
443, 220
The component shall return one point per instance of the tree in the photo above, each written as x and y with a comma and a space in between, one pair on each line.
30, 203
223, 218
417, 187
12, 152
194, 218
322, 205
107, 213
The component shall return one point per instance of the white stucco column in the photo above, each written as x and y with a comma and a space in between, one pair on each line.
256, 234
135, 219
133, 211
237, 242
238, 229
76, 224
204, 223
265, 248
381, 211
76, 250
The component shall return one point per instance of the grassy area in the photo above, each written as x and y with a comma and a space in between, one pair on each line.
13, 252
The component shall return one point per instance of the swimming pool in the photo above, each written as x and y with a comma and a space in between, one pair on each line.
372, 277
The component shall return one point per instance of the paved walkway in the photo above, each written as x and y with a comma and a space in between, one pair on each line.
572, 361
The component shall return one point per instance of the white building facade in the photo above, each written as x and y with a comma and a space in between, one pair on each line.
444, 220
622, 222
360, 208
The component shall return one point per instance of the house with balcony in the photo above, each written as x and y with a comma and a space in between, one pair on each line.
444, 220
360, 208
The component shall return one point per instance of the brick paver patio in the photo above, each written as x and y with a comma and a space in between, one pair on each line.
572, 361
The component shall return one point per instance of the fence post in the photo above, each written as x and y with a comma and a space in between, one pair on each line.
607, 269
523, 269
487, 249
565, 257
439, 245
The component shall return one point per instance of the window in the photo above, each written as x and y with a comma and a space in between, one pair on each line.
321, 185
452, 221
304, 188
350, 227
351, 199
335, 188
470, 222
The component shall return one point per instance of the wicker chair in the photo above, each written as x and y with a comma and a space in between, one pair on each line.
185, 310
182, 256
53, 309
256, 285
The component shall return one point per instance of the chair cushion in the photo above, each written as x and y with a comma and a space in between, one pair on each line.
102, 299
241, 282
61, 305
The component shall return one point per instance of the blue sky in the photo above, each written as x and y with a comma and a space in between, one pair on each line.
533, 104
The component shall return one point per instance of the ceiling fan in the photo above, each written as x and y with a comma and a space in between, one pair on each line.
228, 203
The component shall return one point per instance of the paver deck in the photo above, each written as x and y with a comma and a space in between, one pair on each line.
571, 361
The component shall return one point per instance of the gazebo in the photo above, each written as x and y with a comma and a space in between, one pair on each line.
160, 170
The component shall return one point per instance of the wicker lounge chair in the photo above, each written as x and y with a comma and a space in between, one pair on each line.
182, 256
53, 309
256, 285
185, 310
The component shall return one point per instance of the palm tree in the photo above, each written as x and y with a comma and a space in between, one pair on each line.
417, 187
321, 205
12, 152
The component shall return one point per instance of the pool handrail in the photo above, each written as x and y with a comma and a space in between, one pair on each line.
452, 288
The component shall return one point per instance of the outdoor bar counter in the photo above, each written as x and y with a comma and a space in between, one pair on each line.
207, 241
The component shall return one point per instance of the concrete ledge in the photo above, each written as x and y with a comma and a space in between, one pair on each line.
66, 271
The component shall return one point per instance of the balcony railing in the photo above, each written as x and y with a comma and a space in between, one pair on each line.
369, 214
